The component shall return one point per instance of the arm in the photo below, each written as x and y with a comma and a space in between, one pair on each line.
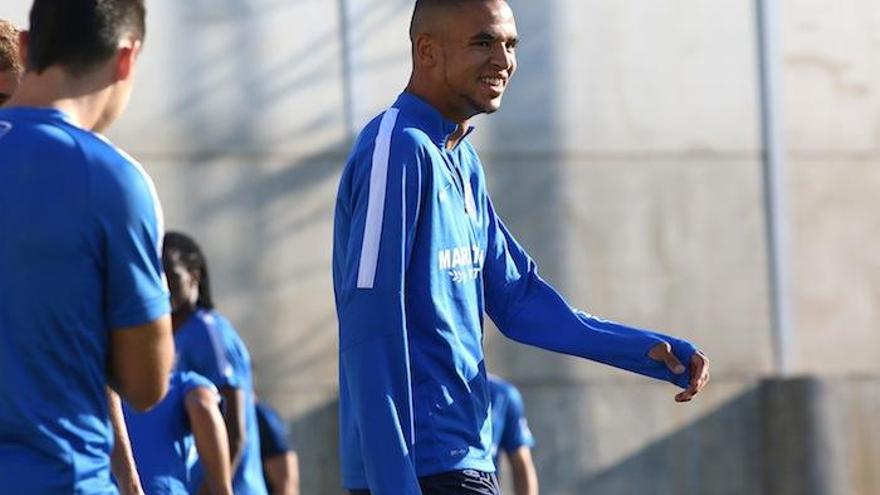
375, 223
210, 436
527, 309
280, 462
525, 478
234, 419
516, 442
282, 473
127, 214
121, 458
141, 358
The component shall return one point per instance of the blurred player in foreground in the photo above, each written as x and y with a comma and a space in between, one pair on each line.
208, 344
122, 462
85, 303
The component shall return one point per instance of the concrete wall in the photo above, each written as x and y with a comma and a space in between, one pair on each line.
626, 159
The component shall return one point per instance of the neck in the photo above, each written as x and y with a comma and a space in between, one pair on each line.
420, 88
84, 99
180, 316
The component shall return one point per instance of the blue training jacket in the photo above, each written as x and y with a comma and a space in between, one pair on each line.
419, 255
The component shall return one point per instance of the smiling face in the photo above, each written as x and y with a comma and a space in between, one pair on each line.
474, 59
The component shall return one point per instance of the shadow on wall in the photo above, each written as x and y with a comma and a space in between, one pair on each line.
719, 454
260, 204
316, 439
799, 436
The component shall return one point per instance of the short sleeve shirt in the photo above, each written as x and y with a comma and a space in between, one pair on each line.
209, 345
79, 256
510, 430
161, 438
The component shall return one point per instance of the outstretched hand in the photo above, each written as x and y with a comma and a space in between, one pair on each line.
699, 369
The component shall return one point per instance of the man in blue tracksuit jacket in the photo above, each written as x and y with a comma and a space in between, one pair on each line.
420, 254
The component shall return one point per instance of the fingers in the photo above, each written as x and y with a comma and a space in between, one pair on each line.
699, 378
663, 352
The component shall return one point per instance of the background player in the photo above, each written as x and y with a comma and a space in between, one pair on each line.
280, 462
208, 344
163, 438
511, 435
80, 270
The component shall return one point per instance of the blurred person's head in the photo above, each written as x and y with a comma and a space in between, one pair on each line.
464, 54
10, 61
187, 272
82, 51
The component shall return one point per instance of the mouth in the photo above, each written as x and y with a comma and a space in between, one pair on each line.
495, 84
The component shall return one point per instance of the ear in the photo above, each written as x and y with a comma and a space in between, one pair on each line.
125, 59
23, 39
426, 50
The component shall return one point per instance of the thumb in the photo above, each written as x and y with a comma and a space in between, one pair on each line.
663, 352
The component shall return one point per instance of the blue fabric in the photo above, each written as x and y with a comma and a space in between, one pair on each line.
510, 430
273, 436
209, 345
413, 394
273, 432
79, 257
162, 440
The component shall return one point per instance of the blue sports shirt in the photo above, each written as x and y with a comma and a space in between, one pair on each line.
79, 257
273, 432
273, 436
419, 255
162, 440
209, 345
510, 430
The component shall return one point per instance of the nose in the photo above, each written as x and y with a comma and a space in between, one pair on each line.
503, 57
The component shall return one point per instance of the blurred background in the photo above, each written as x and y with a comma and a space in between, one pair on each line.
628, 158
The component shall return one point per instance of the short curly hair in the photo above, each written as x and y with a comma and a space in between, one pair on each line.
9, 55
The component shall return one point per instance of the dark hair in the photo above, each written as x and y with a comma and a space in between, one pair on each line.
80, 34
182, 248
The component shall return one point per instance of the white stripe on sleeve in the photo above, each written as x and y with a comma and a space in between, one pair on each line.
376, 207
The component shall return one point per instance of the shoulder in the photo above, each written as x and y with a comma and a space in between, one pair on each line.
503, 388
268, 415
198, 323
391, 134
221, 325
200, 332
113, 168
190, 380
228, 338
44, 138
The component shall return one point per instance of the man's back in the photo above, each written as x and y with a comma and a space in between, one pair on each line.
78, 257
